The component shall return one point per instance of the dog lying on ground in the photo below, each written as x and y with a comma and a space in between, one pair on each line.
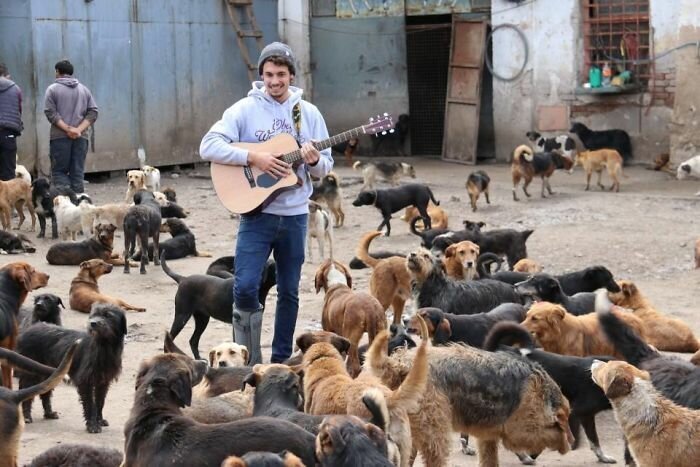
659, 432
347, 149
77, 455
543, 287
142, 221
97, 362
205, 296
348, 441
564, 144
181, 245
438, 217
151, 178
67, 216
328, 191
527, 165
15, 243
47, 308
319, 227
527, 266
170, 209
228, 354
43, 194
596, 161
100, 246
84, 291
15, 193
264, 459
570, 373
460, 260
592, 140
170, 194
689, 168
389, 171
477, 183
345, 312
136, 180
393, 200
16, 281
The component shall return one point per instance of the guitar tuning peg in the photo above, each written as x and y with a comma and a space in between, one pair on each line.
383, 132
386, 114
391, 131
371, 119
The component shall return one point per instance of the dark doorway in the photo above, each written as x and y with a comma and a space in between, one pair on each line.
486, 148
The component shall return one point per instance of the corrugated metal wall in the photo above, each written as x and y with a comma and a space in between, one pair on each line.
161, 71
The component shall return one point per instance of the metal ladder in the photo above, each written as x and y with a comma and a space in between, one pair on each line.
237, 10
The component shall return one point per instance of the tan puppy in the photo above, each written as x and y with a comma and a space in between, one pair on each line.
561, 332
661, 331
345, 312
528, 266
460, 260
84, 290
228, 354
15, 193
136, 180
659, 432
438, 216
390, 282
597, 161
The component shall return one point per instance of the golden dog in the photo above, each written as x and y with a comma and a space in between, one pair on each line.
597, 161
561, 332
528, 266
438, 216
228, 354
661, 331
16, 193
136, 180
659, 432
345, 312
460, 260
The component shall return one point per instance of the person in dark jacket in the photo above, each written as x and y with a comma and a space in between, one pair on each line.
10, 123
71, 110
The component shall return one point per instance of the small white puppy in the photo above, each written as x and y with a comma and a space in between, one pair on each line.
67, 217
689, 169
152, 177
319, 227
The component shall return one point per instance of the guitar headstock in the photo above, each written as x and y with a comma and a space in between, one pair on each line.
380, 124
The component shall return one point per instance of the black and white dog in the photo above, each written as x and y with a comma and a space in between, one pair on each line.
562, 143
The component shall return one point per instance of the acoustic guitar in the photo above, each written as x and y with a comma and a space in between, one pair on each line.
243, 189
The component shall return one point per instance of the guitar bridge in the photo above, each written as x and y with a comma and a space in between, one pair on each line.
249, 176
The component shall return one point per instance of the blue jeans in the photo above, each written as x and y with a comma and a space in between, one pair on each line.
68, 162
258, 235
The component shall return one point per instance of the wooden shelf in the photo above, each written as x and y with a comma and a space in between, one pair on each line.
607, 90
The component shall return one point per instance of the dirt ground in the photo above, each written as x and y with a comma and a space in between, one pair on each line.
645, 233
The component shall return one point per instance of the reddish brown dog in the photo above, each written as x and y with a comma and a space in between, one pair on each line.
84, 290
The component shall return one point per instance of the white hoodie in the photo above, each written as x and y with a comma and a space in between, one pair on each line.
257, 118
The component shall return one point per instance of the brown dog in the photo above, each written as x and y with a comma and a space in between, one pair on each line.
460, 260
438, 216
561, 332
15, 193
596, 161
477, 183
345, 312
390, 282
228, 354
661, 331
528, 266
527, 165
84, 290
659, 432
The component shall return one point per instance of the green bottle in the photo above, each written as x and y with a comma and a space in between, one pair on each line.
594, 77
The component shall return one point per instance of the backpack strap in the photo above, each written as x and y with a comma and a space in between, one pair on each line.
296, 118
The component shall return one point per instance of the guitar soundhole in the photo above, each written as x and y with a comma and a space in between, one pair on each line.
266, 180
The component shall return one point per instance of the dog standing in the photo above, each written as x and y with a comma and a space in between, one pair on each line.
319, 227
67, 216
347, 149
564, 144
477, 183
592, 140
181, 245
135, 180
596, 161
142, 221
389, 171
328, 191
527, 165
84, 292
43, 194
15, 194
152, 178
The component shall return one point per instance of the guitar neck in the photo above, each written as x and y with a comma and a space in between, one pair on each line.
295, 156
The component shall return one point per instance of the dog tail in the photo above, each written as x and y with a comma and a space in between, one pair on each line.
624, 339
413, 228
334, 176
483, 264
25, 364
410, 393
374, 400
175, 276
508, 333
47, 385
363, 249
523, 151
432, 197
358, 165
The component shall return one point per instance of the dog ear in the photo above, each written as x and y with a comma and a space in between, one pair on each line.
122, 324
60, 302
555, 317
621, 385
25, 277
84, 265
252, 379
341, 343
377, 436
344, 270
245, 353
629, 289
443, 332
181, 389
685, 168
143, 371
212, 354
305, 341
450, 251
320, 279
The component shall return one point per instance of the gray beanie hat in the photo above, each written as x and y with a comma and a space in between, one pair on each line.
276, 49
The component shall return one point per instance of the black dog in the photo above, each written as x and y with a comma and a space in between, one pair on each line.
399, 339
47, 308
43, 194
142, 220
347, 441
97, 361
357, 263
547, 288
572, 374
181, 245
391, 200
204, 297
77, 455
172, 209
222, 267
427, 235
170, 194
393, 142
12, 243
605, 139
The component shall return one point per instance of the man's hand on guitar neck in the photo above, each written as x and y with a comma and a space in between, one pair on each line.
309, 153
269, 163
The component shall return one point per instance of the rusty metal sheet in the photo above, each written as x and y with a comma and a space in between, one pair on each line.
437, 7
369, 8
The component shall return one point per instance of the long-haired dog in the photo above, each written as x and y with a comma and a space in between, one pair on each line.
345, 312
319, 227
97, 362
389, 171
527, 165
142, 221
328, 191
659, 432
477, 183
43, 194
135, 180
592, 140
84, 291
15, 193
434, 289
67, 216
77, 455
151, 178
596, 161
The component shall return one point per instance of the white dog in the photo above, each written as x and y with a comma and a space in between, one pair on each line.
88, 211
152, 177
320, 227
67, 217
22, 172
689, 169
136, 180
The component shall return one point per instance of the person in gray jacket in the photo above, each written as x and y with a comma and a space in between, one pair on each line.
10, 123
71, 110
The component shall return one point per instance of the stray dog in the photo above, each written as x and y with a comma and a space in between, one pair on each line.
16, 281
15, 194
328, 191
142, 221
100, 246
581, 336
171, 209
88, 211
592, 140
264, 459
84, 292
347, 441
661, 331
205, 296
689, 168
396, 139
320, 227
562, 143
181, 245
661, 163
434, 289
11, 243
596, 161
389, 171
393, 200
390, 282
47, 308
10, 423
460, 260
527, 165
157, 433
544, 287
222, 267
527, 266
347, 149
438, 217
136, 180
570, 373
22, 172
427, 236
111, 214
659, 432
228, 354
77, 455
97, 362
345, 312
467, 329
399, 339
152, 178
67, 216
43, 194
477, 183
170, 194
